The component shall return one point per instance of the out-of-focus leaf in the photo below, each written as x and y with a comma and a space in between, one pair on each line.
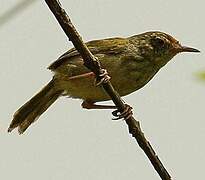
201, 75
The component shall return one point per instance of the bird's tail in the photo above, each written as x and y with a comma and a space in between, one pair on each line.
31, 110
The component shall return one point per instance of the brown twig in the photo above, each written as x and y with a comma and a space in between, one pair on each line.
15, 10
91, 62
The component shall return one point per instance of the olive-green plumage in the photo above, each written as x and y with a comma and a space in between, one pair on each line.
131, 62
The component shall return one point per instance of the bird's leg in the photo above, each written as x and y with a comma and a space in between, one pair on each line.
92, 105
125, 114
85, 75
102, 79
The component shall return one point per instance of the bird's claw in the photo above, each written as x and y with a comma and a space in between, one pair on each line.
104, 78
125, 114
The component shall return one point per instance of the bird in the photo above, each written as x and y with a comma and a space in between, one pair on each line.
131, 63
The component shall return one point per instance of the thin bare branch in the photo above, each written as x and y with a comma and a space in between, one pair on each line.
15, 10
91, 63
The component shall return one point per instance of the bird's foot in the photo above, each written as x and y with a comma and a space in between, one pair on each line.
125, 114
103, 78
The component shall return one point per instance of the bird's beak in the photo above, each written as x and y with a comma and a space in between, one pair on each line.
188, 49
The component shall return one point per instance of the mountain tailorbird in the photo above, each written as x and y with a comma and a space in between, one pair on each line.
131, 62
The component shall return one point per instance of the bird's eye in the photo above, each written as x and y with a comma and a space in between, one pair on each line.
158, 42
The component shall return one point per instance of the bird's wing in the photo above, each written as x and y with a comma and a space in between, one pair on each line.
111, 46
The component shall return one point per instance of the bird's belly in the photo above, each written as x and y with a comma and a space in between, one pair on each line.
84, 88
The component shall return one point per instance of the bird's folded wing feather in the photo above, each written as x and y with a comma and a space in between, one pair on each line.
111, 46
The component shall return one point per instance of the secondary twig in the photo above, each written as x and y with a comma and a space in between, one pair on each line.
91, 63
15, 10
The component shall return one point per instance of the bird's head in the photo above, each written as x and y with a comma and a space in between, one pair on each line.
161, 47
